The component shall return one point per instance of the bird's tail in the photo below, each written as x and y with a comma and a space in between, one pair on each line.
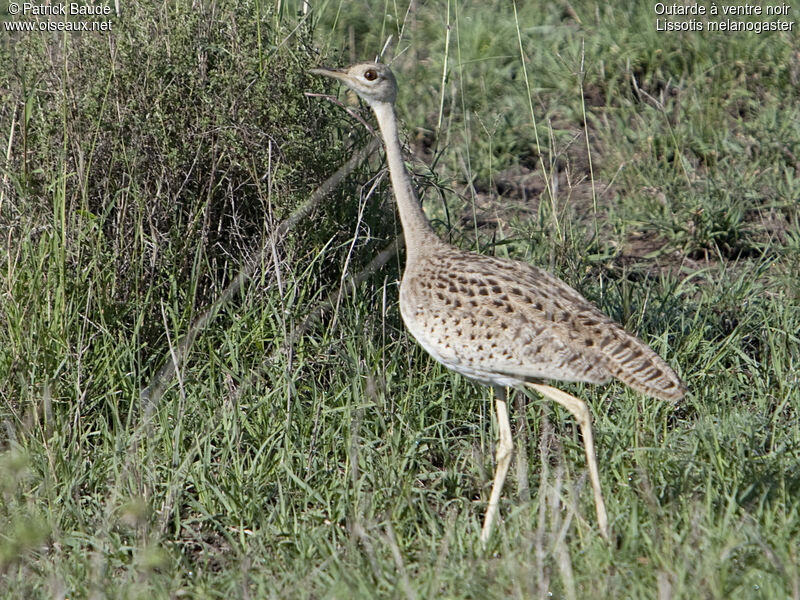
634, 363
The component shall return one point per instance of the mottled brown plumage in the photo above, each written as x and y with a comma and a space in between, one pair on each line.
508, 323
503, 322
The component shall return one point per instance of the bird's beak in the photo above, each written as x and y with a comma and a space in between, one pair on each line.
334, 73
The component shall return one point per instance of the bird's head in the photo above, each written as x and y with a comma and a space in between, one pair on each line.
374, 82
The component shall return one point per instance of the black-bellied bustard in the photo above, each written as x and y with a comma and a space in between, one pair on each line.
502, 322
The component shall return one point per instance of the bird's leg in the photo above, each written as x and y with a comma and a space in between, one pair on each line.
504, 447
580, 411
523, 487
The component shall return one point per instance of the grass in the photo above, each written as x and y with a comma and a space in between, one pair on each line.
330, 457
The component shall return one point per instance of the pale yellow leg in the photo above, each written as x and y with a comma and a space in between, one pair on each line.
504, 447
580, 411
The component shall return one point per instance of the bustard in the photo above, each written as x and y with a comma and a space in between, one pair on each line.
504, 323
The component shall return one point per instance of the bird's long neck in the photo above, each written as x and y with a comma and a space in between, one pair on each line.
416, 228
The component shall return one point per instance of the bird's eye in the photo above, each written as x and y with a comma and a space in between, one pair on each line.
371, 75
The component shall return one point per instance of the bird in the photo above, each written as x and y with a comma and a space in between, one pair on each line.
503, 323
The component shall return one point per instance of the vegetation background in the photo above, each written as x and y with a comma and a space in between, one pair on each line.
205, 386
